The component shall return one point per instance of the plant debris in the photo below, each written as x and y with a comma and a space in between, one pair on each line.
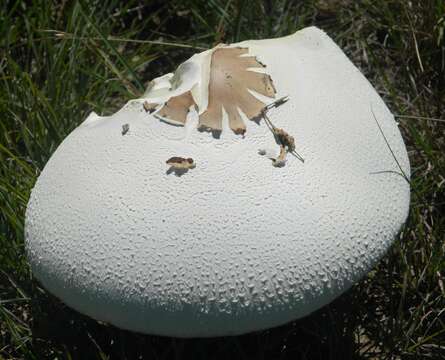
286, 141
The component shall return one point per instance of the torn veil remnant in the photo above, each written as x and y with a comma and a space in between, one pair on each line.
226, 80
229, 83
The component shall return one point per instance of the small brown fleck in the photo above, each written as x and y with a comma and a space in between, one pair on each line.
178, 162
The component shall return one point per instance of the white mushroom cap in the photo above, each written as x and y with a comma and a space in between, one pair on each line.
234, 244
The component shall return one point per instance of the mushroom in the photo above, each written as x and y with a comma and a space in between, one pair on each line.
235, 245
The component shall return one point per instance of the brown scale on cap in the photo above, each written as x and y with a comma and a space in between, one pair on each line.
150, 107
177, 107
229, 83
178, 162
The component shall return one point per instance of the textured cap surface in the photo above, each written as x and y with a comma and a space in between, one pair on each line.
234, 244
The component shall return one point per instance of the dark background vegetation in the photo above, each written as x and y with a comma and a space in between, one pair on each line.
59, 60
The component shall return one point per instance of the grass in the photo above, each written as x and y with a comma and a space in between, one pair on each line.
61, 60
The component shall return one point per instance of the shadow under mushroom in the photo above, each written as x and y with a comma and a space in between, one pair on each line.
176, 171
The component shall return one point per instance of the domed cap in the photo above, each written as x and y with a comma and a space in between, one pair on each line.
190, 212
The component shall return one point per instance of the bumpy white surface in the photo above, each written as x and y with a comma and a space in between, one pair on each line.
234, 245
